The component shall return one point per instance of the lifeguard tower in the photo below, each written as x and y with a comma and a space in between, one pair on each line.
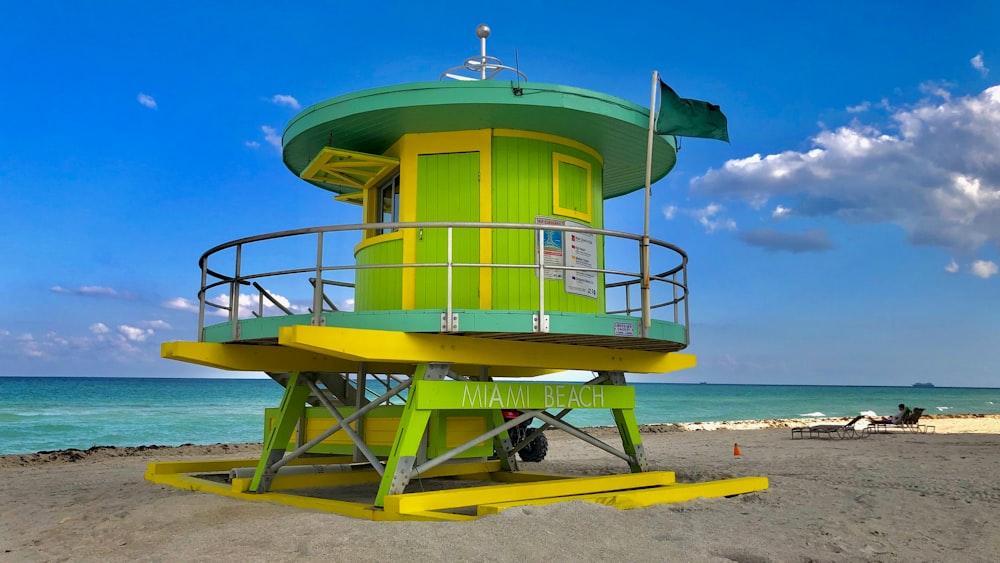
480, 255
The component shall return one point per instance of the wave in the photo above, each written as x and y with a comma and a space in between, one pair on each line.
816, 414
942, 409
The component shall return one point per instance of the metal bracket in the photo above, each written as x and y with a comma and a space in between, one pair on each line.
437, 371
269, 471
640, 458
616, 377
542, 326
449, 327
401, 478
507, 450
322, 321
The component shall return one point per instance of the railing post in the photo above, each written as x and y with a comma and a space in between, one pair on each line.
317, 307
644, 285
541, 281
674, 285
449, 325
201, 301
628, 301
687, 298
234, 294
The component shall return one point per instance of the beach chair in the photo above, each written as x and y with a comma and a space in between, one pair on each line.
907, 424
913, 426
846, 430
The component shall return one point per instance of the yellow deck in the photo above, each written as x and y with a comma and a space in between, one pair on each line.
627, 491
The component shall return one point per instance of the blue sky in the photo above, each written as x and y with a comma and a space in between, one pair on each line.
849, 234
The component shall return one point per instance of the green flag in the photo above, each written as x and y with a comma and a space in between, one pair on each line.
689, 118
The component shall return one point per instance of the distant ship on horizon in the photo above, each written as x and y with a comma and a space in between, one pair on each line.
928, 384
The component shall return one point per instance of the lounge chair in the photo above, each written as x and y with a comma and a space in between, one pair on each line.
907, 424
912, 425
883, 427
846, 430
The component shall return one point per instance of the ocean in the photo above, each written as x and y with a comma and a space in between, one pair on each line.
50, 413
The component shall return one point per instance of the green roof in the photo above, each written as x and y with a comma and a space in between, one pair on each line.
371, 121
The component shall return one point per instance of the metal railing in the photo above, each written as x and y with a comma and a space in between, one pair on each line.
675, 276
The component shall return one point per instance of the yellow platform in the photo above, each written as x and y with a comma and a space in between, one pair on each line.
448, 504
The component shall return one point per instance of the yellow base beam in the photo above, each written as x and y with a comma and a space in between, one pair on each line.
624, 500
410, 503
392, 346
362, 476
620, 491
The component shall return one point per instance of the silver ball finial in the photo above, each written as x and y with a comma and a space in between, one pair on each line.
483, 31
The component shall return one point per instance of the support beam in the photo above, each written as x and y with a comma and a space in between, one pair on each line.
628, 429
279, 359
391, 346
293, 405
403, 456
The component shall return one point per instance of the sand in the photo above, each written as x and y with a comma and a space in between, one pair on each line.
896, 497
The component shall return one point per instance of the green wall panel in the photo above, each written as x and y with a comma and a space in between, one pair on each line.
379, 289
447, 190
522, 190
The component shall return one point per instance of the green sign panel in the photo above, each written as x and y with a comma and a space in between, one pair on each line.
522, 396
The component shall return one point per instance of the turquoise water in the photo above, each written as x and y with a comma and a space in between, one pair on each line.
47, 413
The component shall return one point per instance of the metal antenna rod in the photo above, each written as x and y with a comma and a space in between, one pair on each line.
483, 66
482, 32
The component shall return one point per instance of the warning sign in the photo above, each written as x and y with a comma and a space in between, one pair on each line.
552, 248
581, 252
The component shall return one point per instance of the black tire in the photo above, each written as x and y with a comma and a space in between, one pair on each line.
536, 450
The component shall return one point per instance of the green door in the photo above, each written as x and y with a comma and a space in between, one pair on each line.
447, 190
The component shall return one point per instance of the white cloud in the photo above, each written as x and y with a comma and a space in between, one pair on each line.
710, 217
984, 268
862, 107
126, 345
181, 304
780, 212
952, 267
250, 303
978, 64
92, 291
251, 144
135, 334
285, 100
157, 324
939, 89
147, 101
937, 176
271, 136
346, 305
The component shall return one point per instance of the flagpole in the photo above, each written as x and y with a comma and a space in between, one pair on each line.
644, 248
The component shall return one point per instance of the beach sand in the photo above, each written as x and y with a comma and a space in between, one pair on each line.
896, 497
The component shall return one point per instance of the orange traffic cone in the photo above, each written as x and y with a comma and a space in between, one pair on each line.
736, 450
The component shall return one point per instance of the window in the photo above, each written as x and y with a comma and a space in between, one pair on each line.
572, 191
388, 198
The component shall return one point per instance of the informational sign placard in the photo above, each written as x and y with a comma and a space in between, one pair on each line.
581, 252
552, 248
